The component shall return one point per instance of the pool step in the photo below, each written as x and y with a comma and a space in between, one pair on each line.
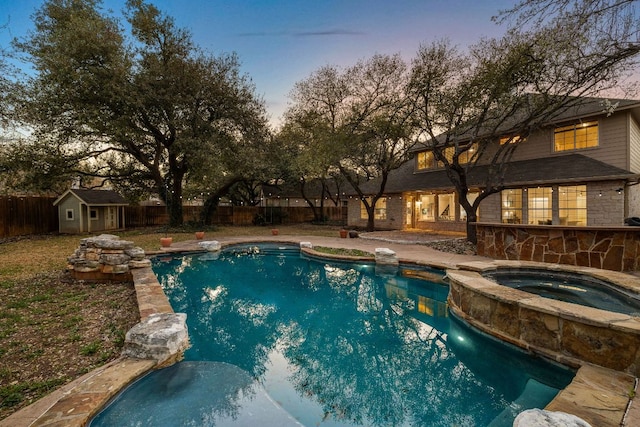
534, 395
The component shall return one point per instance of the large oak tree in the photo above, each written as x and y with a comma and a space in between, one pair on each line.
142, 110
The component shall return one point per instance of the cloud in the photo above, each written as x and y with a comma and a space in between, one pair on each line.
336, 32
328, 33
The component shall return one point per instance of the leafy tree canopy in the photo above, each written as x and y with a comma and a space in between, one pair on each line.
143, 110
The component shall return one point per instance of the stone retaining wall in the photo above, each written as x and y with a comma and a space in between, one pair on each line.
609, 248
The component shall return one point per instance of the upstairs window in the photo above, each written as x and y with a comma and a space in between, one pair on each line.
576, 137
426, 159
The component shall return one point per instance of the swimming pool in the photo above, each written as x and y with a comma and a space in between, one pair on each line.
279, 339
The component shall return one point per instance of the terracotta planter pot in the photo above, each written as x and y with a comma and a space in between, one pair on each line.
199, 235
274, 231
165, 242
343, 234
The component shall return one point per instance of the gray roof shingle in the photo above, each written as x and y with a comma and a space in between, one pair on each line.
566, 168
99, 197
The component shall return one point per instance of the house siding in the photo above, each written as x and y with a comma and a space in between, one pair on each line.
613, 141
537, 145
491, 208
604, 204
69, 226
633, 201
634, 144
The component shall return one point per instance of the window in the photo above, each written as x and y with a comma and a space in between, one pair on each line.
69, 215
572, 205
446, 207
426, 159
539, 205
380, 211
575, 137
512, 206
427, 207
93, 214
471, 197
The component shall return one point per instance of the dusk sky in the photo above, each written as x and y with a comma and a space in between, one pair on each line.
280, 42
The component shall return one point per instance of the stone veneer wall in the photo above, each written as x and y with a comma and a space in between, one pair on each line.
609, 248
567, 333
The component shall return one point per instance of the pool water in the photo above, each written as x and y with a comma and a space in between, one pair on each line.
570, 287
279, 339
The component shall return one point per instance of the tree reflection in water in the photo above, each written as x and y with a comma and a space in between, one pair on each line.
367, 349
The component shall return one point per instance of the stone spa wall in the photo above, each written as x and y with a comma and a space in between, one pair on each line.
609, 248
567, 333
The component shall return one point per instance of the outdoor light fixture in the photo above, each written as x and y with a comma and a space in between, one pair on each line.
619, 190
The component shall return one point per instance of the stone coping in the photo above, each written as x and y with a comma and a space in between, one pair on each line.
562, 227
76, 403
601, 395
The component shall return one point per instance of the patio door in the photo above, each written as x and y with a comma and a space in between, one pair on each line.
409, 213
111, 218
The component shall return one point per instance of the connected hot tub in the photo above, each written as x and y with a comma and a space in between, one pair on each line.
569, 286
569, 314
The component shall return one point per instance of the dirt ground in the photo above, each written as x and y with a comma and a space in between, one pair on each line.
54, 329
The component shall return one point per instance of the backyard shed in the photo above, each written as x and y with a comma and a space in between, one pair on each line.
89, 211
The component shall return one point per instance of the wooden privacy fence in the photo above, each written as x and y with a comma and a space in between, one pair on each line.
21, 216
147, 216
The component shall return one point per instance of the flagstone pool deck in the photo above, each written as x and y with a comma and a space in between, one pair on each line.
600, 396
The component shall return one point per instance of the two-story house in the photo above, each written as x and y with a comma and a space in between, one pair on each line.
581, 169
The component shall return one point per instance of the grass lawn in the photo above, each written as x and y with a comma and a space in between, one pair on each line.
53, 329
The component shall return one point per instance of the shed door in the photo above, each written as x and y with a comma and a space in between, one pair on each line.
111, 218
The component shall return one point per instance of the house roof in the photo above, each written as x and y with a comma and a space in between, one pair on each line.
585, 107
95, 197
543, 171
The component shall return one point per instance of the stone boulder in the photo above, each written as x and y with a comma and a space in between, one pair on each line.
542, 418
386, 256
161, 337
210, 245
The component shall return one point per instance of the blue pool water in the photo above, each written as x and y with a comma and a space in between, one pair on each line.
279, 339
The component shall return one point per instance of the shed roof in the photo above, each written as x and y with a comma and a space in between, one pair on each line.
548, 170
95, 197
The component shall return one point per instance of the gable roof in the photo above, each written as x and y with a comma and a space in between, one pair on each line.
543, 171
95, 197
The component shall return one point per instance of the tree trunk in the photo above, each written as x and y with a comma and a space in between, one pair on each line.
209, 208
175, 209
471, 228
371, 226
